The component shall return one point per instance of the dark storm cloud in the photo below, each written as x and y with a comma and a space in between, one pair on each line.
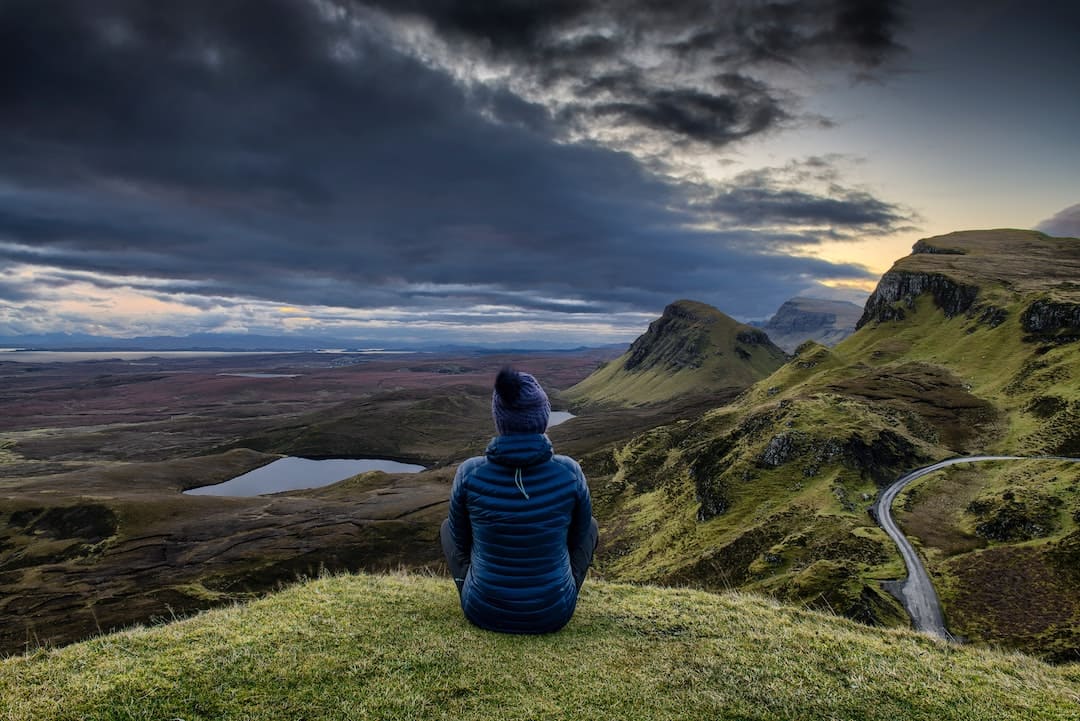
863, 31
805, 194
683, 69
746, 108
288, 151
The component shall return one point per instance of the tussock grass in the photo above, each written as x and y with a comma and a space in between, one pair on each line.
375, 647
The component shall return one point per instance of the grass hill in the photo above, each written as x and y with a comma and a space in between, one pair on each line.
968, 345
356, 647
692, 348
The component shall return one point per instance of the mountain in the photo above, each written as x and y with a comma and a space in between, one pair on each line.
801, 319
692, 348
969, 345
398, 647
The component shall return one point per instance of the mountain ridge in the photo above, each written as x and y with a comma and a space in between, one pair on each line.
691, 348
771, 492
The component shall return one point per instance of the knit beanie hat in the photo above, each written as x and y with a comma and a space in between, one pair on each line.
519, 404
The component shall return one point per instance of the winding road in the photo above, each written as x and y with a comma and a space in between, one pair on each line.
917, 592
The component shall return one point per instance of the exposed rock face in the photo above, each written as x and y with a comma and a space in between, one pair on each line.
924, 246
801, 319
898, 290
781, 449
673, 340
707, 470
1045, 318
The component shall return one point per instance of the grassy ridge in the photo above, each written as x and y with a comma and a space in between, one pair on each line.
692, 349
356, 647
771, 492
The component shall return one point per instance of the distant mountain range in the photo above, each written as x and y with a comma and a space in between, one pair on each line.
199, 341
797, 320
244, 342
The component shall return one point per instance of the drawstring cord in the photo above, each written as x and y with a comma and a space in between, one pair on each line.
519, 483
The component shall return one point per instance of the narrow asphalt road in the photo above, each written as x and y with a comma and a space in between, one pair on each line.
917, 592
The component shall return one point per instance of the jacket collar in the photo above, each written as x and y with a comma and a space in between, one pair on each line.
519, 450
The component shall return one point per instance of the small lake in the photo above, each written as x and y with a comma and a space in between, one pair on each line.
293, 474
558, 417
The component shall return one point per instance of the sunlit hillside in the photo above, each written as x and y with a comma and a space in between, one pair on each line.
968, 345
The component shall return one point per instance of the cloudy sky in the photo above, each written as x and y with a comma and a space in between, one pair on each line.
506, 170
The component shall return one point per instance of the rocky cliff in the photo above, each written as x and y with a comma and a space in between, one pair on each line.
898, 290
801, 319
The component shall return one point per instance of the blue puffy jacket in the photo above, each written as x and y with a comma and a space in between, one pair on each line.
515, 513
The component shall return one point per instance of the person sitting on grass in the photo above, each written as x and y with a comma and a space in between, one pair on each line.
520, 535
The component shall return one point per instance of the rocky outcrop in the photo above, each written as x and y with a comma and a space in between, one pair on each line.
1015, 519
674, 341
707, 470
897, 291
752, 336
1045, 319
924, 247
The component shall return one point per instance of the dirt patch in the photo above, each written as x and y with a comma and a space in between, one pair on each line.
1016, 597
959, 419
933, 510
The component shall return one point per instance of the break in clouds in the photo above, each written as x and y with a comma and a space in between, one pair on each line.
431, 160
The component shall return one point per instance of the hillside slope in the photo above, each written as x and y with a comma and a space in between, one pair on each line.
969, 345
692, 348
398, 647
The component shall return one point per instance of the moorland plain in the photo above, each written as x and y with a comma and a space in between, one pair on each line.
95, 532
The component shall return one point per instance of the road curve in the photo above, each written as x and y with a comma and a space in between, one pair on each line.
917, 592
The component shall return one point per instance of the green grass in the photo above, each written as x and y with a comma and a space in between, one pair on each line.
380, 647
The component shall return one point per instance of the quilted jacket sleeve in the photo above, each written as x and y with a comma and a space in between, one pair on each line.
578, 536
460, 524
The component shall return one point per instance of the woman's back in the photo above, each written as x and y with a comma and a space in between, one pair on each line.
520, 535
523, 504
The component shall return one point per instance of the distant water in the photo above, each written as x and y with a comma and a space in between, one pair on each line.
74, 356
558, 417
293, 474
261, 375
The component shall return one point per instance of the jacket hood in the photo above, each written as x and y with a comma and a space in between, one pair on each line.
519, 450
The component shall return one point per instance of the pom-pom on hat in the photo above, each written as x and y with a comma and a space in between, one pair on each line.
519, 404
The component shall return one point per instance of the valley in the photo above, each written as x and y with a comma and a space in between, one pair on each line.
96, 534
715, 460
